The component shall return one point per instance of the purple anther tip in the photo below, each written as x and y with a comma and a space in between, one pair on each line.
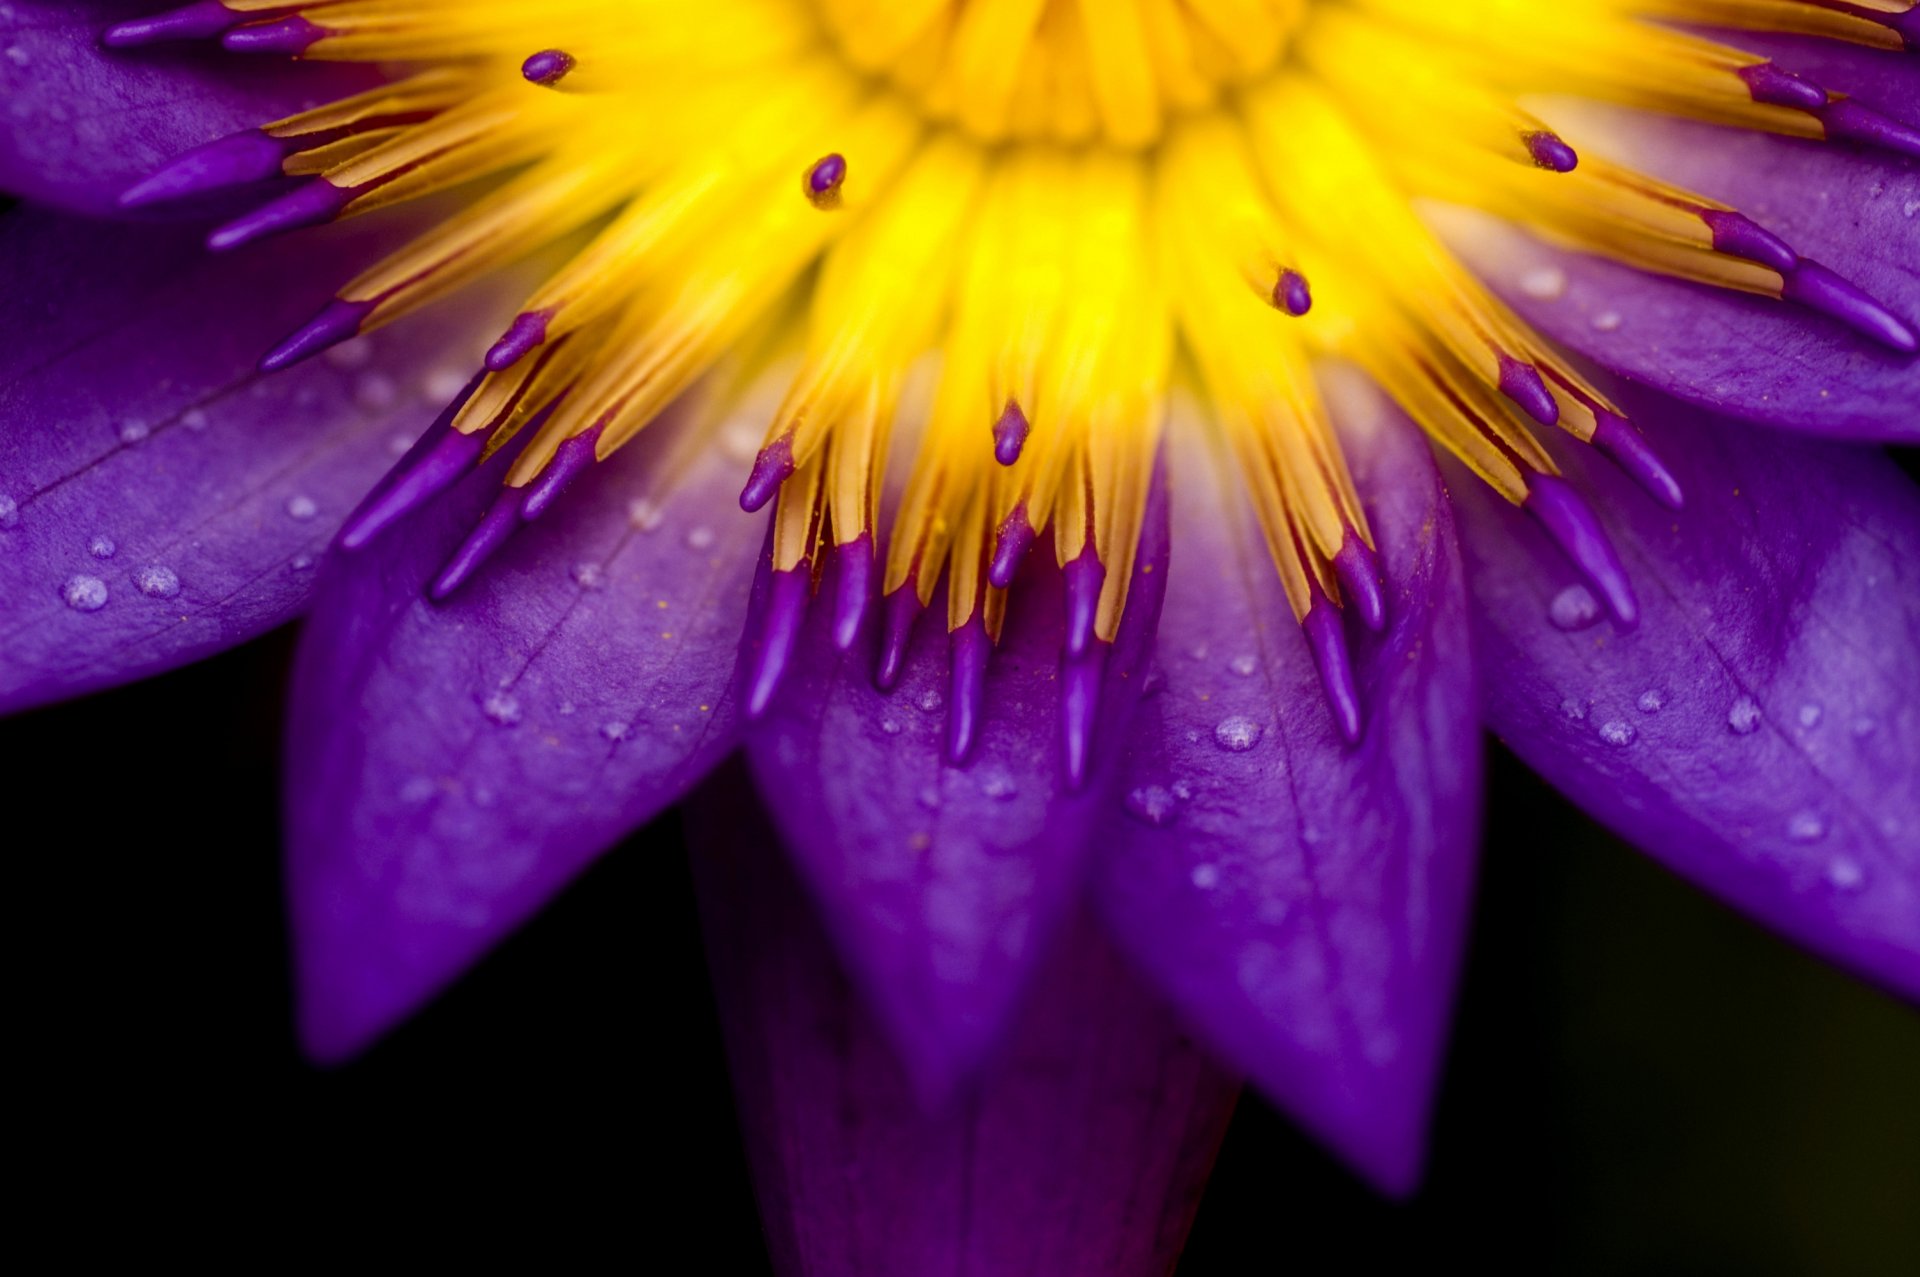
528, 329
1521, 383
786, 610
1079, 706
289, 36
200, 21
1739, 236
854, 596
234, 160
418, 479
1010, 433
824, 179
570, 460
969, 648
1576, 530
1620, 443
1327, 640
500, 522
770, 469
900, 610
1358, 568
1549, 152
1086, 577
1848, 121
1010, 545
1291, 293
308, 204
1770, 85
547, 67
337, 321
1813, 285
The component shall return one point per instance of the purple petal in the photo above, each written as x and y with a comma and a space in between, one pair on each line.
1760, 731
942, 885
1750, 357
1084, 1153
145, 466
82, 123
1302, 902
452, 766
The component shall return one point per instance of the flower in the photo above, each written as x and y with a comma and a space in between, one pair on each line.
1131, 235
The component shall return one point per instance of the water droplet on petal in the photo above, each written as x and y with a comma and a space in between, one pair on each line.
1237, 734
1806, 826
1810, 715
1651, 701
890, 726
84, 593
442, 384
1244, 665
615, 732
157, 581
9, 512
929, 797
1544, 283
1606, 321
644, 515
1574, 608
101, 546
1846, 873
194, 419
133, 430
1152, 804
1206, 877
302, 508
1744, 718
1617, 731
1863, 727
997, 783
502, 709
1575, 710
700, 538
588, 576
930, 700
300, 562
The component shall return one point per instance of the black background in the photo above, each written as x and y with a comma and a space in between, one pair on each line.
1638, 1080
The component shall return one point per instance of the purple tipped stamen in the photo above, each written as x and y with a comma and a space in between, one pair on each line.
1771, 86
1521, 382
969, 648
1813, 285
200, 21
1010, 433
570, 460
900, 610
1291, 293
289, 37
547, 67
770, 469
1620, 443
500, 522
853, 597
780, 635
1086, 576
1327, 640
1358, 570
309, 204
824, 179
1079, 706
528, 330
443, 457
1576, 530
337, 321
236, 160
1010, 545
1739, 236
1848, 121
1549, 152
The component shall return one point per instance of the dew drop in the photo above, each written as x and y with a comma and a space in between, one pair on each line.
442, 384
1618, 732
101, 546
1606, 321
194, 419
501, 709
1744, 718
1182, 790
133, 430
998, 784
1206, 877
700, 538
9, 512
1651, 701
84, 593
1244, 665
157, 581
1846, 874
615, 732
644, 515
1910, 208
1237, 734
588, 576
1544, 283
18, 55
929, 797
302, 508
1806, 826
300, 562
1152, 805
1574, 608
930, 700
1575, 710
1810, 715
1863, 727
398, 445
891, 726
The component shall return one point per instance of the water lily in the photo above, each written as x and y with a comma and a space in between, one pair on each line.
1112, 655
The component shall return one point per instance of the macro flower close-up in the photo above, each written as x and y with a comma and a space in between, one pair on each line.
1058, 493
